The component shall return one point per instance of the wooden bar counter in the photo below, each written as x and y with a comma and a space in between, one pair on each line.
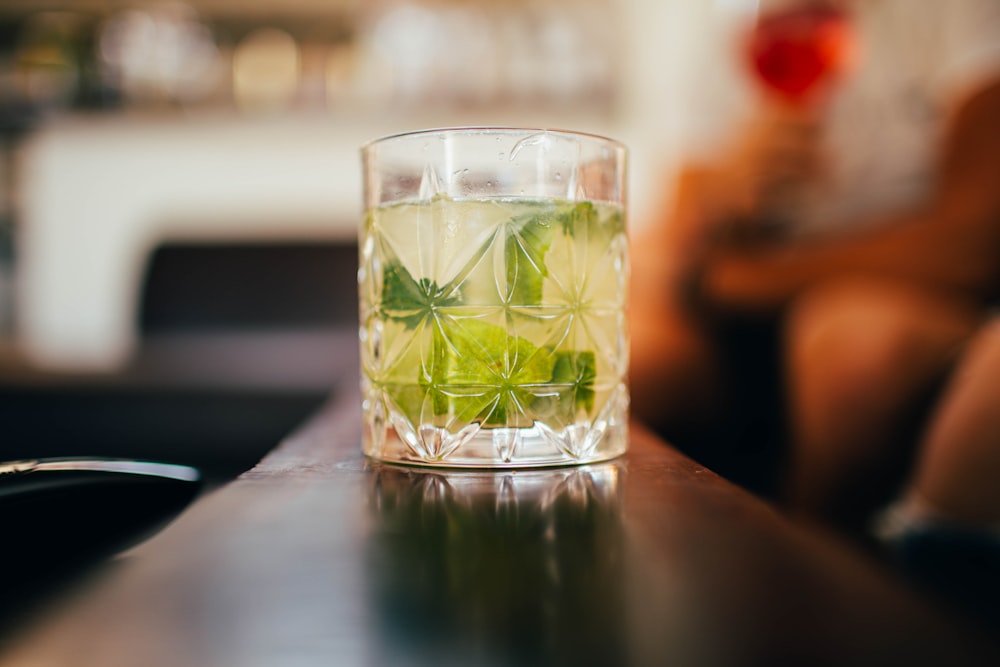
318, 556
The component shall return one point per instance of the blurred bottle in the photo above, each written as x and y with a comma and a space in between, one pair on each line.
798, 50
161, 55
267, 71
49, 61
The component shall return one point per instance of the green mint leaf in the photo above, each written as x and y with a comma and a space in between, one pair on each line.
580, 370
573, 217
478, 372
529, 237
408, 300
482, 353
505, 366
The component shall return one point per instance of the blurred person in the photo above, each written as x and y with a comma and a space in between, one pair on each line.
872, 283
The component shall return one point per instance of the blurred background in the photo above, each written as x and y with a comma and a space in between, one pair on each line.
180, 186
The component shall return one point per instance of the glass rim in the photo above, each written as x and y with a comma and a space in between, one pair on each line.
496, 129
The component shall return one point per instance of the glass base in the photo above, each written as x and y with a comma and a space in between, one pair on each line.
393, 439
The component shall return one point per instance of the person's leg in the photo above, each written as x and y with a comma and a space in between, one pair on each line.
944, 530
958, 465
860, 356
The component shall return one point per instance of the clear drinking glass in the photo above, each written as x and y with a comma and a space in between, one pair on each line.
493, 290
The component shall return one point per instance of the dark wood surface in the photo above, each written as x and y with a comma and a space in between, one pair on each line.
320, 557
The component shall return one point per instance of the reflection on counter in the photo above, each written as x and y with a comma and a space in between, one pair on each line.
498, 568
